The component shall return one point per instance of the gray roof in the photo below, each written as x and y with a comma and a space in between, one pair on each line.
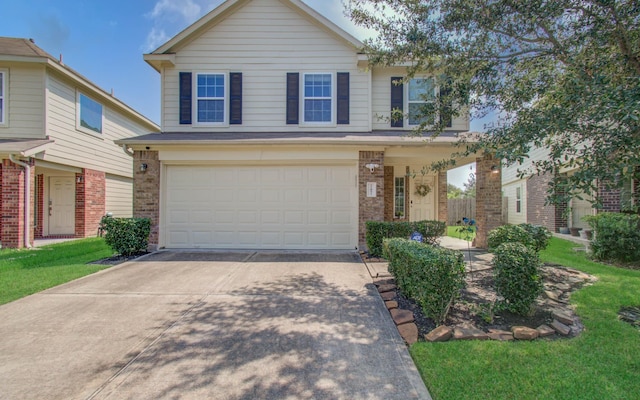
21, 47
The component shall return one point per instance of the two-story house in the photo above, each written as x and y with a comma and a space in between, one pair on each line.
276, 135
61, 171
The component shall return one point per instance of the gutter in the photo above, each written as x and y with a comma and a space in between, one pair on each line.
125, 148
27, 198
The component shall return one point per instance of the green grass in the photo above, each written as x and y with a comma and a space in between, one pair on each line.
24, 272
453, 231
602, 363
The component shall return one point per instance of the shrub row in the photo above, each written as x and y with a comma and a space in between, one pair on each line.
377, 231
126, 236
432, 276
533, 236
616, 238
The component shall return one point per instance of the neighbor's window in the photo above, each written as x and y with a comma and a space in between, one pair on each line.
210, 98
318, 95
398, 210
421, 91
89, 114
518, 200
2, 96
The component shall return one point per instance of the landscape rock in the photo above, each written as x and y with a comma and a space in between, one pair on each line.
560, 327
409, 332
440, 334
468, 332
401, 316
545, 330
552, 295
391, 304
386, 288
563, 317
524, 333
498, 334
388, 296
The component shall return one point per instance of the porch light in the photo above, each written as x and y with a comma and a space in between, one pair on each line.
372, 167
143, 167
495, 169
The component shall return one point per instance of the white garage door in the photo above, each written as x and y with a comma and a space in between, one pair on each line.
266, 207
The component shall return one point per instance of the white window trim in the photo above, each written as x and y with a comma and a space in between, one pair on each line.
334, 100
3, 95
518, 191
195, 98
78, 109
407, 101
404, 206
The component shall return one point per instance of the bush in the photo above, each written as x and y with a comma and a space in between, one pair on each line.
126, 236
539, 234
517, 276
432, 276
377, 231
616, 237
509, 234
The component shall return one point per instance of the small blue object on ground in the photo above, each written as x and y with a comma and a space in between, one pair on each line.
417, 236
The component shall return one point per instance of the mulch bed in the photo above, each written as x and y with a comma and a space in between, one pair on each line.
119, 259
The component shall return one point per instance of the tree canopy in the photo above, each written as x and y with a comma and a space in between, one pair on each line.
562, 75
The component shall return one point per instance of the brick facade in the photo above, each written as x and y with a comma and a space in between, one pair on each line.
146, 193
537, 212
389, 184
39, 201
442, 196
488, 198
371, 208
90, 202
12, 204
611, 199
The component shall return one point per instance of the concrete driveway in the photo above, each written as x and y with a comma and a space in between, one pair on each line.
209, 325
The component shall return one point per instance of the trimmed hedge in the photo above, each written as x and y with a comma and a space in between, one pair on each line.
517, 276
616, 237
533, 236
431, 275
126, 236
377, 231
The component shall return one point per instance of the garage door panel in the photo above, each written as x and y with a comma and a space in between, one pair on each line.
274, 207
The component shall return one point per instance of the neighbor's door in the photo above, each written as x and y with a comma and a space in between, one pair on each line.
62, 205
421, 207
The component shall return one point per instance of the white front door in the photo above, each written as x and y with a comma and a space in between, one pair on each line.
62, 205
421, 207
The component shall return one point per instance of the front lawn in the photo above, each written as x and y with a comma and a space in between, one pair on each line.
455, 232
24, 272
602, 363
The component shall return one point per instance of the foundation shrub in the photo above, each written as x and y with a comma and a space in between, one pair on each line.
517, 277
616, 237
377, 231
126, 236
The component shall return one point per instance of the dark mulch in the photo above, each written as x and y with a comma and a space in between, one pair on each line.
119, 259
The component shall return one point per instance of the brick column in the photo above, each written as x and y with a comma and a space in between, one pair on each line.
39, 201
12, 208
371, 208
488, 198
146, 192
388, 193
90, 202
611, 198
442, 197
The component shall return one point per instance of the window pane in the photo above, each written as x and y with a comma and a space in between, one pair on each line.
317, 110
317, 85
421, 89
1, 110
415, 110
399, 197
210, 110
211, 85
90, 114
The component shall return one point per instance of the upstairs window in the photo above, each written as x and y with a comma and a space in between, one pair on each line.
318, 98
2, 96
421, 92
89, 114
210, 98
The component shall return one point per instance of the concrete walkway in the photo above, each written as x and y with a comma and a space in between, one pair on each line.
209, 325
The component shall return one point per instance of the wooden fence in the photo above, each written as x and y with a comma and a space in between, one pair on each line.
460, 208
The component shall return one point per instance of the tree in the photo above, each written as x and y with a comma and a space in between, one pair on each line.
453, 192
562, 75
470, 187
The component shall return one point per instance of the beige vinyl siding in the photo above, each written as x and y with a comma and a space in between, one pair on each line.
381, 100
77, 148
119, 196
24, 100
510, 174
264, 41
509, 191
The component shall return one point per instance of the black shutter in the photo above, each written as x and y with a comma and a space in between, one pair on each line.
235, 98
397, 101
293, 92
343, 98
185, 98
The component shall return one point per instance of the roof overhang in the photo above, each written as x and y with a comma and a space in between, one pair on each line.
24, 147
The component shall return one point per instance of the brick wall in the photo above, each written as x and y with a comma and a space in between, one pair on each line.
39, 201
442, 196
537, 212
611, 198
488, 198
146, 192
388, 193
90, 202
12, 204
371, 208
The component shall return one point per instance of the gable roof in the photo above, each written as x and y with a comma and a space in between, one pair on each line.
228, 7
25, 50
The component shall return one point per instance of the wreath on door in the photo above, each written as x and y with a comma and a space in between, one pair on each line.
423, 190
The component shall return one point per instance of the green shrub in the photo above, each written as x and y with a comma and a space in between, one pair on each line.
517, 276
616, 237
509, 234
431, 275
377, 231
539, 234
126, 236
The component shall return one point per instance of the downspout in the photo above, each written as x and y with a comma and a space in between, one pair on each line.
27, 198
126, 150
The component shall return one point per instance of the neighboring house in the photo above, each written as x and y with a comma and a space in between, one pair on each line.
271, 136
526, 198
61, 171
